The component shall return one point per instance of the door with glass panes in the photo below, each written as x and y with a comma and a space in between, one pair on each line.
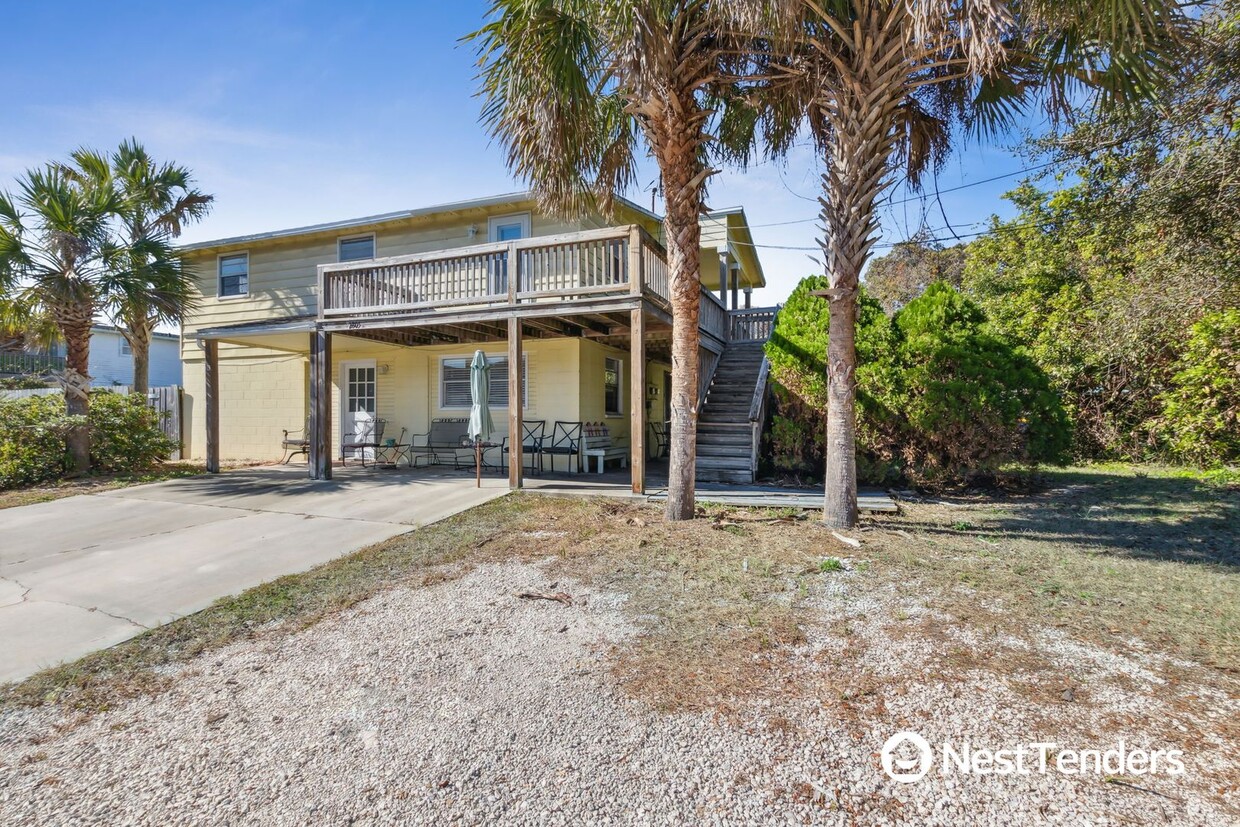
359, 401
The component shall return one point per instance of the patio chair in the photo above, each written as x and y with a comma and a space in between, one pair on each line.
295, 442
367, 437
565, 442
658, 431
535, 432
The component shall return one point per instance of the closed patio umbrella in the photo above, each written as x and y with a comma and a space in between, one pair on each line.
480, 424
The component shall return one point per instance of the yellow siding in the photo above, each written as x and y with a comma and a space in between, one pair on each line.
283, 272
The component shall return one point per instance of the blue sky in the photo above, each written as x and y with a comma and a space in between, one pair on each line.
298, 112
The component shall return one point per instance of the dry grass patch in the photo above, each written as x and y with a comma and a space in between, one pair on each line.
1132, 562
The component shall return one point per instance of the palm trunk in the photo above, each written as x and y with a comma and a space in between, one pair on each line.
862, 116
75, 323
138, 335
682, 183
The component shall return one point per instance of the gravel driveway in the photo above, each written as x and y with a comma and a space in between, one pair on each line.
459, 703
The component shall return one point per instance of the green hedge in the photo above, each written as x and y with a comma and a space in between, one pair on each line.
939, 399
125, 436
1201, 410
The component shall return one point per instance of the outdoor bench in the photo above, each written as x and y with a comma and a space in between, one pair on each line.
446, 436
597, 444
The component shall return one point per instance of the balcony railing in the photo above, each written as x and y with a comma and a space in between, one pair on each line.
615, 261
752, 324
21, 362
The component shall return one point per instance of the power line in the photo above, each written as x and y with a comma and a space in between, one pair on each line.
922, 197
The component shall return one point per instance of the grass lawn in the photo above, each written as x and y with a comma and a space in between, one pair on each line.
1132, 560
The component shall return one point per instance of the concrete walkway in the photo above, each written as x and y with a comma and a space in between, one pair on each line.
87, 572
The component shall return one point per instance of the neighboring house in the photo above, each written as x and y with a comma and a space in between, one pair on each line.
339, 324
111, 360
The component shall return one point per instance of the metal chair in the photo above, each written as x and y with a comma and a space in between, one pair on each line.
369, 436
535, 432
658, 431
565, 442
293, 445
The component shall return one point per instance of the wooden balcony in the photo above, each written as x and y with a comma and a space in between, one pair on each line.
584, 267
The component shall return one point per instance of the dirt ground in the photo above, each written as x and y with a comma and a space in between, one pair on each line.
770, 657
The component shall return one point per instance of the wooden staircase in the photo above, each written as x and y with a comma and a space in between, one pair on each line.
730, 421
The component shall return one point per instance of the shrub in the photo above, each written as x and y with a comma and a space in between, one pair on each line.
939, 399
125, 437
969, 401
125, 434
797, 351
32, 440
1201, 411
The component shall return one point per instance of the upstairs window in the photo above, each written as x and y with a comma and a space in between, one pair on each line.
234, 275
611, 387
357, 248
125, 349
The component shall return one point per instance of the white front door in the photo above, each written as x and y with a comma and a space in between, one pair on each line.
359, 401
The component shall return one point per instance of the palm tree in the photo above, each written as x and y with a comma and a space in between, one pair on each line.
888, 86
571, 87
56, 262
156, 202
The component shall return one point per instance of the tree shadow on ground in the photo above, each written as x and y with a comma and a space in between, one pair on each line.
1166, 518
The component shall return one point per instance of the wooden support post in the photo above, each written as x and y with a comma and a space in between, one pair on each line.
723, 280
636, 276
516, 396
736, 285
212, 369
320, 435
748, 297
637, 400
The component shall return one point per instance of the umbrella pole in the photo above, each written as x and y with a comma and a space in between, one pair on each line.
478, 462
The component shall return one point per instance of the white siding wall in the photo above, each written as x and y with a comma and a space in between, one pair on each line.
109, 366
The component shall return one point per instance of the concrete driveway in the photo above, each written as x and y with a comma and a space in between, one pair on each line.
87, 572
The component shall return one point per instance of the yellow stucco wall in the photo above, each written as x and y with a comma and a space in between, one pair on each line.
263, 392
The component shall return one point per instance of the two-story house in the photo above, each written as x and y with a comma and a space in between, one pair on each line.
337, 325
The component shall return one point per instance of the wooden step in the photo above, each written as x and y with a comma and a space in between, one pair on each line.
717, 475
722, 464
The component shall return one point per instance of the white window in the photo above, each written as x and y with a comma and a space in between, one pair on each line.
356, 248
125, 349
234, 274
509, 227
454, 381
612, 398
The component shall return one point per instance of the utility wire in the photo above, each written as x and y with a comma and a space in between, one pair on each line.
921, 197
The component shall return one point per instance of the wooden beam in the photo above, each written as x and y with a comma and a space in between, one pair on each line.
516, 395
212, 371
429, 319
320, 435
637, 402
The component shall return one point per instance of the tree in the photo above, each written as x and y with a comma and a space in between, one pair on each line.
155, 202
56, 261
884, 85
904, 274
570, 87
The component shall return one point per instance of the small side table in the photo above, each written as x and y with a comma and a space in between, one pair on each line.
389, 456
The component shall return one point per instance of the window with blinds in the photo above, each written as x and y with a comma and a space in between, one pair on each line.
454, 381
